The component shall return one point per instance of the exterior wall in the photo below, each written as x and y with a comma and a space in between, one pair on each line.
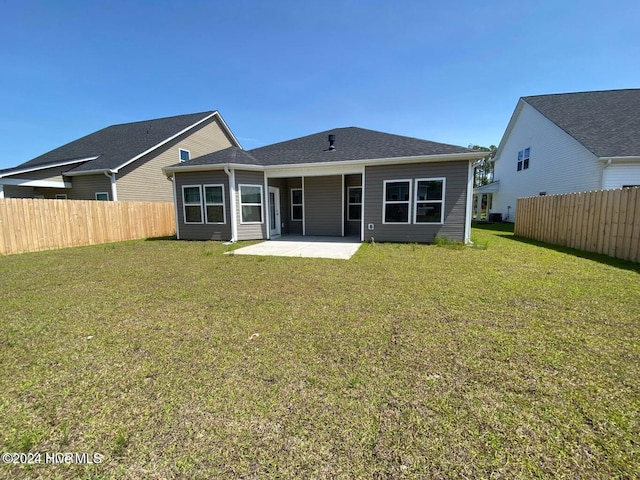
12, 191
456, 174
52, 192
293, 227
251, 231
351, 228
203, 231
618, 175
86, 186
323, 211
143, 179
558, 163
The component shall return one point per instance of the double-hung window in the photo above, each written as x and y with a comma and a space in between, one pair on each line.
250, 203
523, 158
396, 201
214, 203
429, 200
296, 204
192, 203
354, 203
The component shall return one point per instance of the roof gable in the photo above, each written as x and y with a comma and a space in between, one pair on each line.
118, 145
607, 123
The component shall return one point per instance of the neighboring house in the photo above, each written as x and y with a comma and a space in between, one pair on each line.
120, 162
342, 182
564, 143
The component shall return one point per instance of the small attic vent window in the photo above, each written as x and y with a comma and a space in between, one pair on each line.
185, 155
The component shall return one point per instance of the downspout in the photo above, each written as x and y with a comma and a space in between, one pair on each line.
114, 191
175, 204
1, 192
232, 200
604, 173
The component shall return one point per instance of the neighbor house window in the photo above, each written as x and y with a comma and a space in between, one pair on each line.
354, 203
523, 159
296, 204
192, 203
61, 196
250, 203
185, 155
395, 204
214, 203
429, 200
102, 196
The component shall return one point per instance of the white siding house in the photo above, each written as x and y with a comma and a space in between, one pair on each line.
565, 143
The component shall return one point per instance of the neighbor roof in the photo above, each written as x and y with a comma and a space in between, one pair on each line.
116, 145
606, 122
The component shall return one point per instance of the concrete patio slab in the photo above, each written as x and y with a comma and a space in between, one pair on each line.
298, 246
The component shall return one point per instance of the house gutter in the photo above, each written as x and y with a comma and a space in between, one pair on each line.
231, 173
609, 160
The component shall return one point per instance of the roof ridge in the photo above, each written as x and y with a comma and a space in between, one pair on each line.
581, 92
208, 112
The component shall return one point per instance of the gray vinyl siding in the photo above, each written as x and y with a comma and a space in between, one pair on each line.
86, 186
294, 227
51, 192
203, 231
351, 228
12, 191
323, 205
143, 179
251, 231
456, 174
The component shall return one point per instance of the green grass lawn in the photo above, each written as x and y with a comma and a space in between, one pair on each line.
173, 360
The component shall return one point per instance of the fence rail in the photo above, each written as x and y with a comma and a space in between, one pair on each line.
603, 221
29, 225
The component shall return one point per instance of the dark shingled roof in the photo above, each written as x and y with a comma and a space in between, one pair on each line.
351, 143
116, 144
606, 122
228, 155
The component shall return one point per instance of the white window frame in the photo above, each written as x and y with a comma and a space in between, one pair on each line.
416, 201
301, 205
261, 204
392, 202
192, 204
522, 158
61, 196
102, 193
223, 204
349, 204
180, 150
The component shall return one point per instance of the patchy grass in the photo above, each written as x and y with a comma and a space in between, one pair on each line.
409, 361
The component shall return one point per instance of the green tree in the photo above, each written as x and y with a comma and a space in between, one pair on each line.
483, 173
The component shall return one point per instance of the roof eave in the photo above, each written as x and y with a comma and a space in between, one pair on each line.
627, 159
88, 172
44, 167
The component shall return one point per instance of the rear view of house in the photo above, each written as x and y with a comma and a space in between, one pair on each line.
120, 162
341, 182
563, 143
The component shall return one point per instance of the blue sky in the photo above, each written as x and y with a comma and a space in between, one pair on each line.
450, 71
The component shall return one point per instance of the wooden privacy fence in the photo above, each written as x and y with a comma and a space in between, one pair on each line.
29, 225
604, 221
